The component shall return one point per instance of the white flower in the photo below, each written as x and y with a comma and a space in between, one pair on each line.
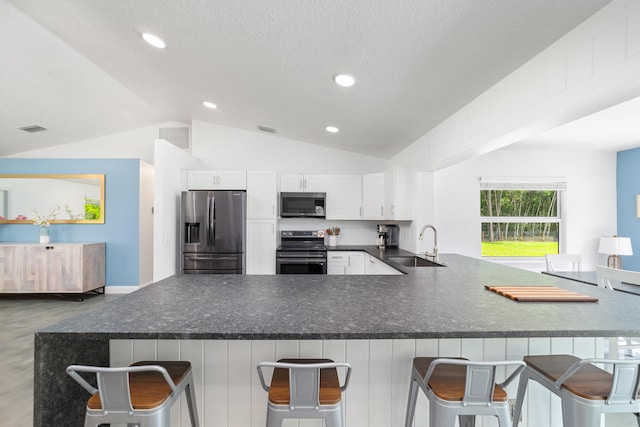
45, 221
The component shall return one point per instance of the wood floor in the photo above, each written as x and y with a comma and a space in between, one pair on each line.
21, 316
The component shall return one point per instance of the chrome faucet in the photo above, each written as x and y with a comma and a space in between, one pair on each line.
433, 254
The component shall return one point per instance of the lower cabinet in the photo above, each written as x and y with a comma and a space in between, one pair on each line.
375, 266
345, 262
52, 268
261, 246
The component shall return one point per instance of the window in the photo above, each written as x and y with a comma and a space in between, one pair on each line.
520, 218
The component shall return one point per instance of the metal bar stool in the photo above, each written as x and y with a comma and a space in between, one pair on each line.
304, 388
142, 393
585, 389
460, 388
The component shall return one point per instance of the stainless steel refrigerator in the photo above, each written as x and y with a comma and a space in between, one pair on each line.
213, 232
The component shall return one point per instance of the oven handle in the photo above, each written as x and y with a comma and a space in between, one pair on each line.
300, 261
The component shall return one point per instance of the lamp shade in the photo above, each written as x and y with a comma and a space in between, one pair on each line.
615, 246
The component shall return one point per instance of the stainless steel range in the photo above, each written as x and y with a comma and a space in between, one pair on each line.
301, 252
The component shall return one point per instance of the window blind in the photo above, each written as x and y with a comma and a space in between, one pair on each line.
523, 183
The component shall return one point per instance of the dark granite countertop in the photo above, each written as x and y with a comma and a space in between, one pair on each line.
428, 302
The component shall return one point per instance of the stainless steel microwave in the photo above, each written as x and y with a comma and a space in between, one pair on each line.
302, 205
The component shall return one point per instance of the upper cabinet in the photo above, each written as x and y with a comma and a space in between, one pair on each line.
344, 197
303, 182
388, 195
262, 194
398, 193
217, 180
373, 196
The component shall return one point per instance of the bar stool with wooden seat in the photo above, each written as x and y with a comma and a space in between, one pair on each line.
586, 390
142, 393
304, 388
460, 388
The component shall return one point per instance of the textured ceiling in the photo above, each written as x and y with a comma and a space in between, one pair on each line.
81, 69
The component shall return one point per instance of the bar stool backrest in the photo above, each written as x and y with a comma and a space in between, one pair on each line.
563, 262
113, 385
304, 381
480, 379
625, 382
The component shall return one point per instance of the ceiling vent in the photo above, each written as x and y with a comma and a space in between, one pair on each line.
32, 128
266, 129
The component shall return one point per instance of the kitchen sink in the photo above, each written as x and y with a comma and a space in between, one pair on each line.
414, 262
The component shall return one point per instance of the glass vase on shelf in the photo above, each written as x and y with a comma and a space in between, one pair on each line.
44, 235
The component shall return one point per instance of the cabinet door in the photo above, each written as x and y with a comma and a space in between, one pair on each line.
292, 182
261, 246
315, 183
373, 196
262, 194
64, 265
344, 197
356, 263
231, 180
399, 198
337, 262
201, 180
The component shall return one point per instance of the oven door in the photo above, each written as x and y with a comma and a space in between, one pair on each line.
297, 265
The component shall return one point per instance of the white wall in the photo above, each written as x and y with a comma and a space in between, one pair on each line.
145, 275
593, 67
590, 196
169, 163
133, 144
222, 147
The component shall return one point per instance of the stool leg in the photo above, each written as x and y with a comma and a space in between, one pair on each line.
576, 415
637, 418
191, 403
441, 417
411, 403
467, 420
334, 418
522, 388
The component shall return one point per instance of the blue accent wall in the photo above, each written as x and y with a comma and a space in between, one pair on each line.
628, 185
120, 230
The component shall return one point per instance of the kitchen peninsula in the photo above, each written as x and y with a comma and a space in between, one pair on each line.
429, 310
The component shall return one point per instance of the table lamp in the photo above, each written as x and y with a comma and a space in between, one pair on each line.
615, 246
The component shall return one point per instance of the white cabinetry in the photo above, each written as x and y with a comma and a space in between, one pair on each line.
262, 194
373, 196
51, 268
345, 262
261, 246
375, 266
217, 180
398, 192
344, 197
262, 202
303, 182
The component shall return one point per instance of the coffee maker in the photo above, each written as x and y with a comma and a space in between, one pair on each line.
387, 236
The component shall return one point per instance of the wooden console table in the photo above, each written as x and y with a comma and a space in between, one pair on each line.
60, 268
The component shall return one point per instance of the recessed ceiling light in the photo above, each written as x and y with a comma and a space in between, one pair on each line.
154, 40
344, 80
332, 129
209, 104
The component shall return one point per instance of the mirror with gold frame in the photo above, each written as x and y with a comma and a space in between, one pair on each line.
66, 199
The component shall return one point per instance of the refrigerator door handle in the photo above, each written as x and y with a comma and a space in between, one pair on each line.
211, 223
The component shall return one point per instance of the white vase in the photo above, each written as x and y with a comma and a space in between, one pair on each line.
333, 240
44, 235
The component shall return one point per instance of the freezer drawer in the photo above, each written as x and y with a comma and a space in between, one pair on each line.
198, 263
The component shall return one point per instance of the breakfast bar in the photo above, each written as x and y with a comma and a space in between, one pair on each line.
242, 319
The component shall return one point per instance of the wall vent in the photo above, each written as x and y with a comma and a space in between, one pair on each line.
266, 129
33, 128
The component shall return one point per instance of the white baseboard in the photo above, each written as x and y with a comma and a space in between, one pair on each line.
120, 289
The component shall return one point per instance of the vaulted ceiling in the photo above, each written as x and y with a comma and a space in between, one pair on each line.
81, 69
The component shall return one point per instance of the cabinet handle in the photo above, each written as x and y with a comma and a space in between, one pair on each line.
393, 209
273, 209
304, 183
301, 186
381, 210
360, 211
